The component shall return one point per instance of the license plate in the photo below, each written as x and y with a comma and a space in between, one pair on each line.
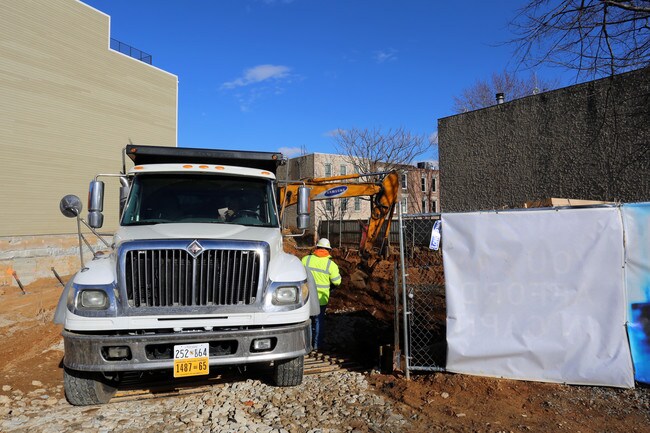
191, 360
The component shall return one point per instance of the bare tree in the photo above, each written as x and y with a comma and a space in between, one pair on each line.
482, 93
595, 38
372, 150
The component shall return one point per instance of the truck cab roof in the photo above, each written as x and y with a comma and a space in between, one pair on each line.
144, 155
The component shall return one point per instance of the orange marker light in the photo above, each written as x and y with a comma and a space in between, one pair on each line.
188, 166
266, 173
203, 166
219, 167
138, 167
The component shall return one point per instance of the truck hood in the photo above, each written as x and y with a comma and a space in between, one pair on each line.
270, 235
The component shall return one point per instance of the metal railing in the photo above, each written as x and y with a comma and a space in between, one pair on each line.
131, 51
348, 233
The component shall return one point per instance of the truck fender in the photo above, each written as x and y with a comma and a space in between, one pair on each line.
314, 305
62, 306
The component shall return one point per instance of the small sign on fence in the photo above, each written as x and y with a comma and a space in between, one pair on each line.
434, 243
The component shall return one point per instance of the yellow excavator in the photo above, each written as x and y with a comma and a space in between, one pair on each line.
383, 198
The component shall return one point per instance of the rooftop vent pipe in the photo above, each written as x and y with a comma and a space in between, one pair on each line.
500, 96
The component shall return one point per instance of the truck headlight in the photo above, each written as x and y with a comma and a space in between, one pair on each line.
285, 295
93, 299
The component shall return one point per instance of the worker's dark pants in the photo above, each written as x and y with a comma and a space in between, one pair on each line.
318, 333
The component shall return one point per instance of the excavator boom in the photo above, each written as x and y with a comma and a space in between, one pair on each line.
383, 197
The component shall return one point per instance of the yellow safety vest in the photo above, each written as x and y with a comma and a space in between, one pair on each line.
325, 272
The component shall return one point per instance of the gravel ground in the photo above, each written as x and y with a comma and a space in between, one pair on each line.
339, 401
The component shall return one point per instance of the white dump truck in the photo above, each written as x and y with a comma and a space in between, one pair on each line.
195, 278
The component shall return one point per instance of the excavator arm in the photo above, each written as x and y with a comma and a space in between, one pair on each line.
383, 198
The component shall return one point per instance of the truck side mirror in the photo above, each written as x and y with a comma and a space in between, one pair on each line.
302, 221
96, 204
70, 206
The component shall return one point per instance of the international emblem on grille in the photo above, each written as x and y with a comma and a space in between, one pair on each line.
195, 249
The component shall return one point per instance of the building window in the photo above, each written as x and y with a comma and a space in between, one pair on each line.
328, 205
433, 183
405, 207
344, 170
328, 169
344, 204
404, 185
434, 206
423, 182
357, 204
424, 206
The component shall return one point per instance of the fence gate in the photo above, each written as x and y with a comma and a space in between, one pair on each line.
423, 295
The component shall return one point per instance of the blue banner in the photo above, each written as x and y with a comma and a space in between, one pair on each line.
636, 222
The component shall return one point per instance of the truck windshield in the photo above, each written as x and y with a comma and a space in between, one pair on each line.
200, 198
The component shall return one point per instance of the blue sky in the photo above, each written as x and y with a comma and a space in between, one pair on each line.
283, 74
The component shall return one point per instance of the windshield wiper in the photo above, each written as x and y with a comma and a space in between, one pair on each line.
147, 222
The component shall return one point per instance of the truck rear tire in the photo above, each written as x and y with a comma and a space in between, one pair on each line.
86, 388
289, 372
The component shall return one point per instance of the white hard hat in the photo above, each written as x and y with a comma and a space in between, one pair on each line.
324, 243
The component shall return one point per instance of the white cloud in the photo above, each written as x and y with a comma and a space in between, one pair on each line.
258, 74
290, 152
259, 82
433, 138
334, 132
383, 56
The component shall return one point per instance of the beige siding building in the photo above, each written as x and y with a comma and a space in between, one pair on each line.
68, 105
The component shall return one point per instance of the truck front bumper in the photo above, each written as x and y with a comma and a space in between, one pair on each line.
90, 352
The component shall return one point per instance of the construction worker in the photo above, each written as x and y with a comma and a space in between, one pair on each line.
325, 272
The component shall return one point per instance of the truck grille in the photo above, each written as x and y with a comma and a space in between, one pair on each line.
172, 277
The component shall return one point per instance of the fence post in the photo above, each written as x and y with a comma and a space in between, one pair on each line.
405, 312
396, 347
340, 224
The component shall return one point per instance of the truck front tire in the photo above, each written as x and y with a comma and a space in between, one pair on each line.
84, 388
288, 372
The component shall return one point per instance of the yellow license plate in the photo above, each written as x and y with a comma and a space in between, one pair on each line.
191, 367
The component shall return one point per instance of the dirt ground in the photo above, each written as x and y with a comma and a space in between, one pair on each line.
32, 347
359, 321
454, 402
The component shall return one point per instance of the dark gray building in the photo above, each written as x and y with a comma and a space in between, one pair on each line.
590, 141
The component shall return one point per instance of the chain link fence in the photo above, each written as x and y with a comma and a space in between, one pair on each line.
423, 289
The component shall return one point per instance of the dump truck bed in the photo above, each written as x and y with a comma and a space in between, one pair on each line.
143, 154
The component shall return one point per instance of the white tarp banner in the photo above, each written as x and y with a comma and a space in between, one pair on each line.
537, 295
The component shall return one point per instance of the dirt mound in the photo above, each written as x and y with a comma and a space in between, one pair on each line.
32, 348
